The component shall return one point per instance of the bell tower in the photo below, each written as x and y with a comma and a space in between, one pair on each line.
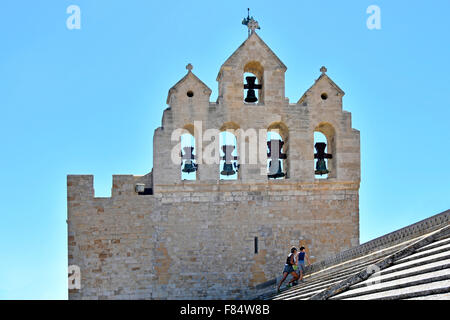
267, 75
248, 175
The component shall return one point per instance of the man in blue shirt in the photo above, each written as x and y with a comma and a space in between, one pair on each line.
301, 262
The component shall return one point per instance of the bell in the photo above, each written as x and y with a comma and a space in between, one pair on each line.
251, 86
189, 167
251, 97
321, 166
277, 145
275, 171
227, 169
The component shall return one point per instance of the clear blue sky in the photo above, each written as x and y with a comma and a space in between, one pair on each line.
87, 102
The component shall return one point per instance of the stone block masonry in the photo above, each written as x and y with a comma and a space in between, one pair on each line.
195, 239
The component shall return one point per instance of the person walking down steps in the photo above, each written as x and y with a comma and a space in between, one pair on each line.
289, 269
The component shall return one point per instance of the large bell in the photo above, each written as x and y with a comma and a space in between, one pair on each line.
321, 165
251, 97
275, 170
188, 156
227, 169
251, 86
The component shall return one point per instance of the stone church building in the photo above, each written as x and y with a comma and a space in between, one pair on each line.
209, 221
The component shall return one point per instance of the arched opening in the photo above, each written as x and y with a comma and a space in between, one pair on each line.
253, 83
229, 166
277, 151
324, 151
275, 156
188, 159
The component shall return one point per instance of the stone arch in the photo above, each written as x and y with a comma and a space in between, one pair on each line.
255, 68
282, 129
190, 129
328, 130
230, 125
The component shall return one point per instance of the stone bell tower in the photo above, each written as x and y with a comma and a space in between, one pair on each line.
218, 212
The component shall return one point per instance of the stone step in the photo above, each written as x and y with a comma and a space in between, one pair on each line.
442, 296
411, 266
413, 279
316, 285
402, 265
363, 259
401, 256
420, 290
437, 243
430, 266
422, 269
353, 268
425, 253
346, 268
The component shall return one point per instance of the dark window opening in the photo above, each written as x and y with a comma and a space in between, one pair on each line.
147, 192
190, 94
188, 157
275, 156
321, 156
256, 245
228, 156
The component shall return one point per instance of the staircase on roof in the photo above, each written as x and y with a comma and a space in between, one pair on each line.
417, 268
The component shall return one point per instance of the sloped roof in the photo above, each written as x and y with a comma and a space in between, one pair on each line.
253, 36
326, 78
413, 263
189, 75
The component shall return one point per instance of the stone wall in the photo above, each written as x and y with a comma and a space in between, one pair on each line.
198, 244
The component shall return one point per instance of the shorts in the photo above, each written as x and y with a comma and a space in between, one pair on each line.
301, 266
288, 268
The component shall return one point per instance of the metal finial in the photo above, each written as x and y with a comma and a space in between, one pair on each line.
323, 70
251, 23
189, 67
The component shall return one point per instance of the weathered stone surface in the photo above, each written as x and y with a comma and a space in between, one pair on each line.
195, 239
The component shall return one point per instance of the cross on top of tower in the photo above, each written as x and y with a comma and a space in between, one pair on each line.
189, 67
251, 23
